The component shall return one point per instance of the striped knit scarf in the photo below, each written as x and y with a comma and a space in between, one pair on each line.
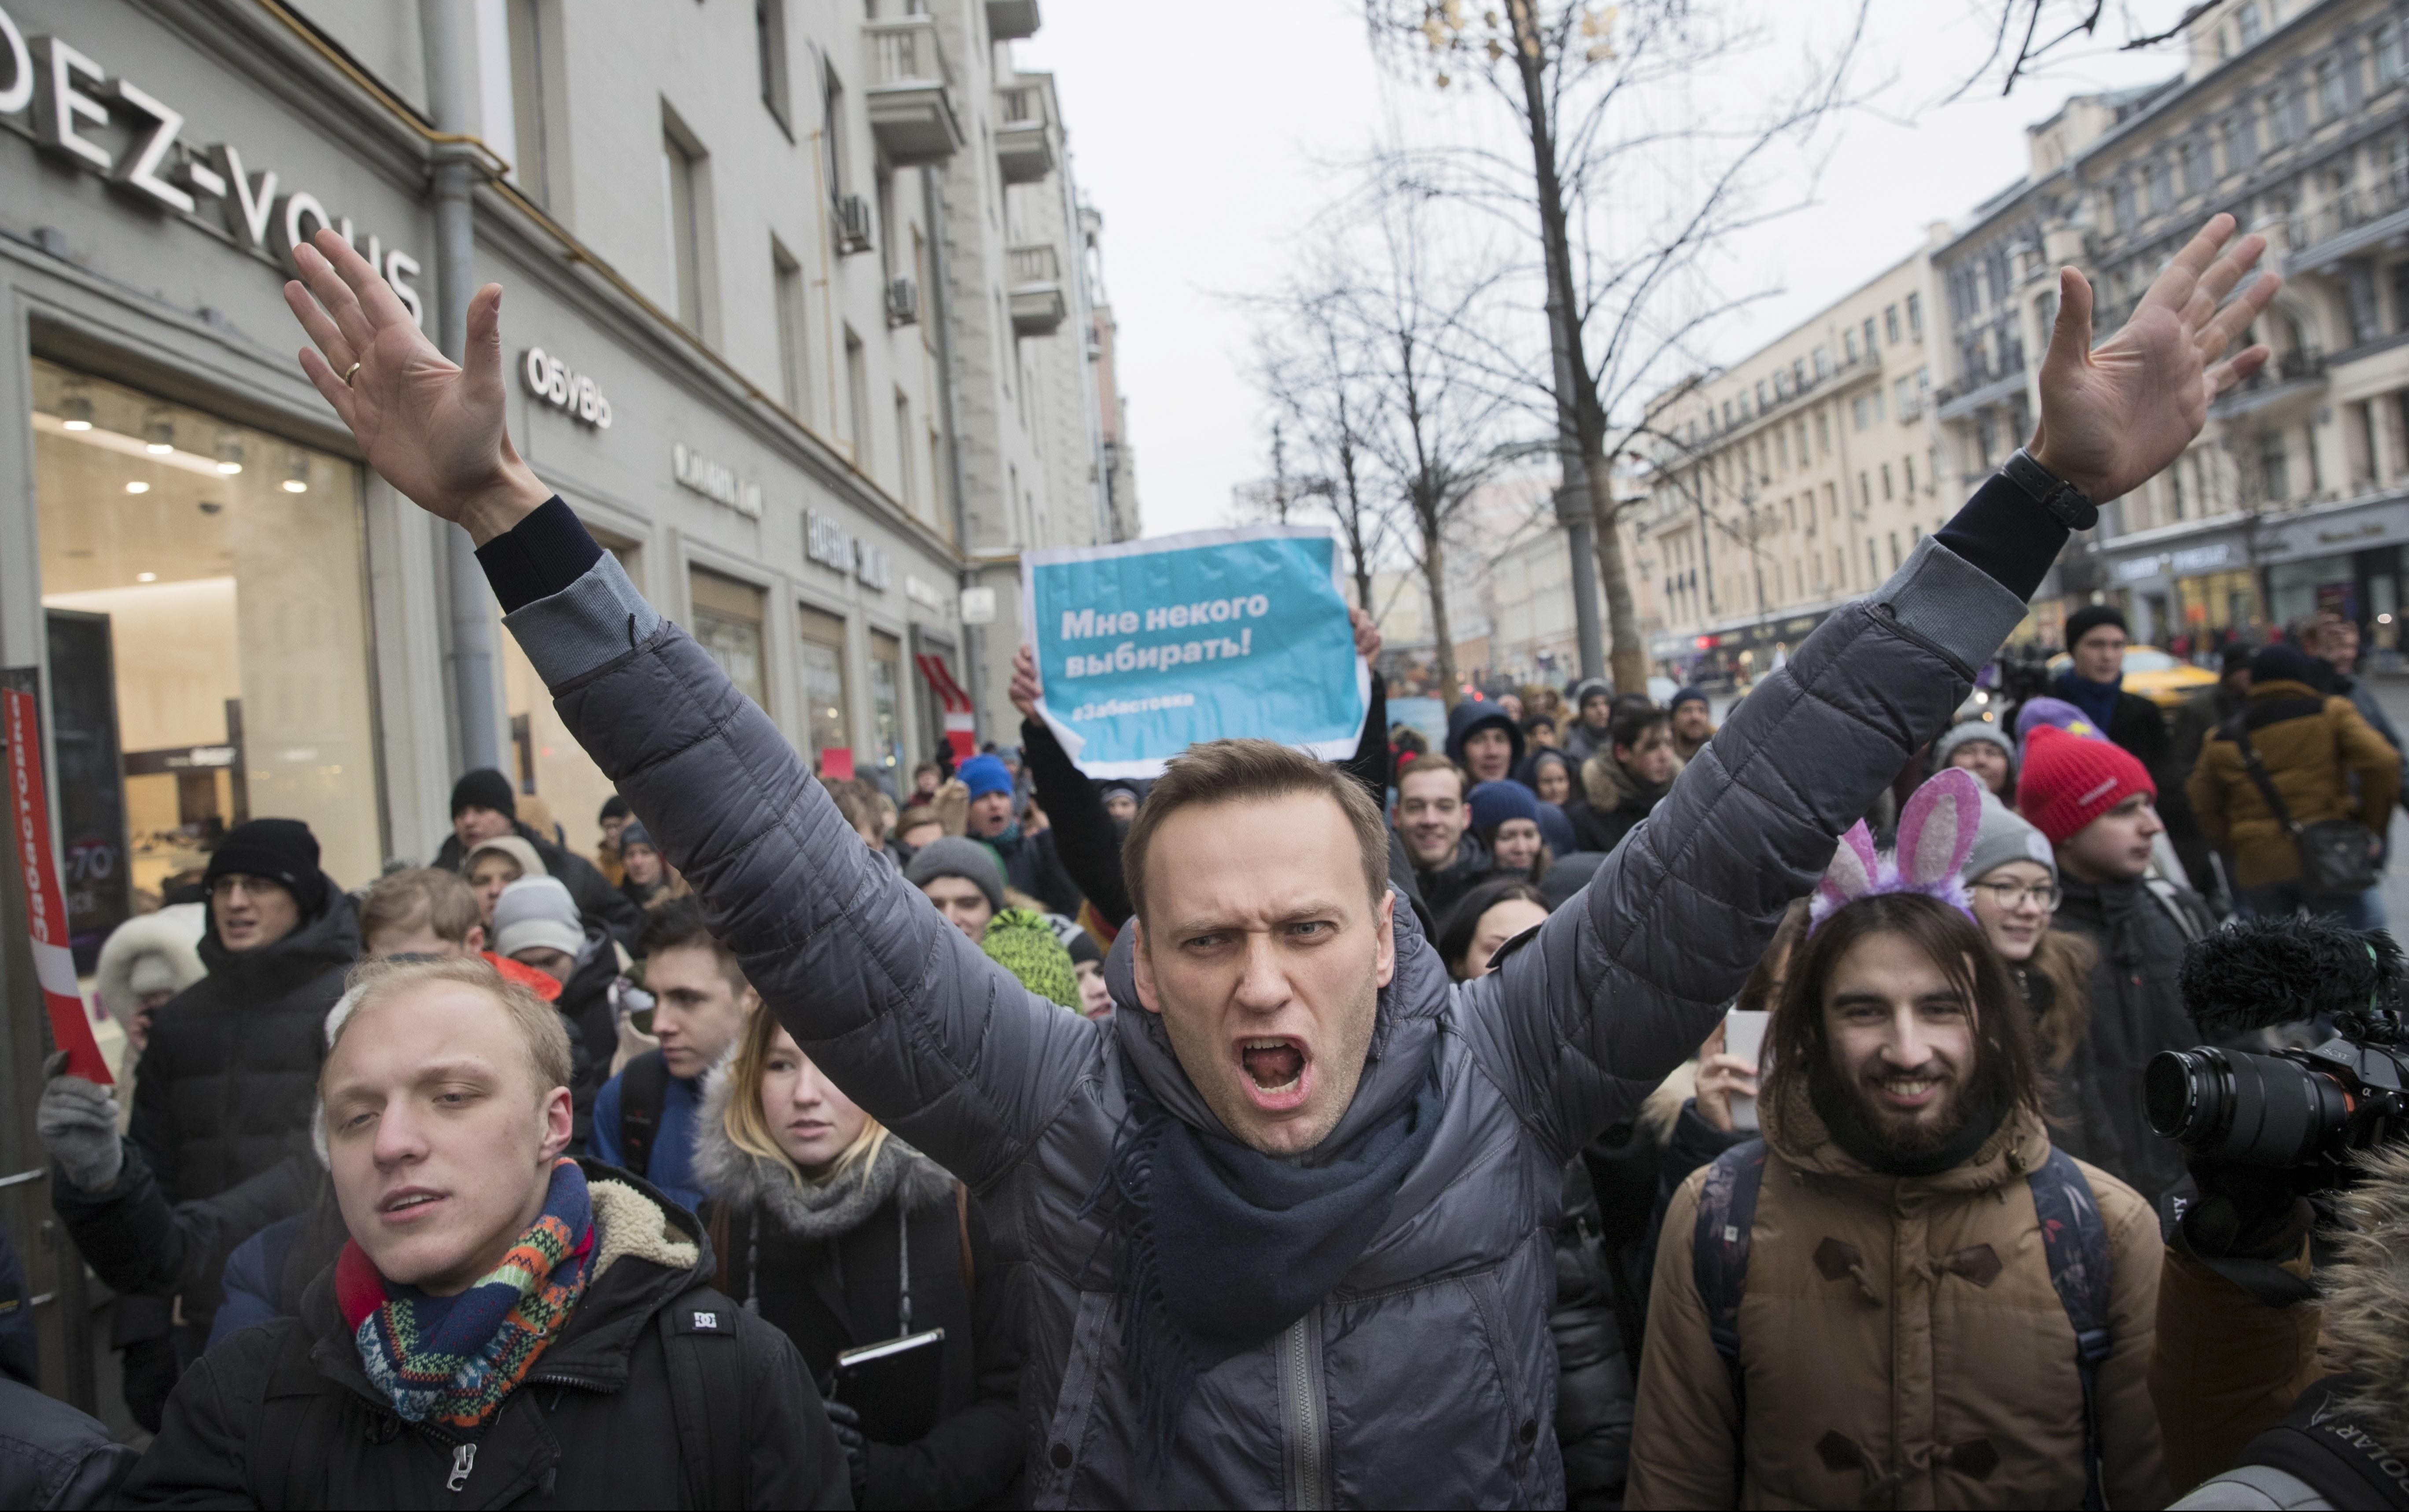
454, 1359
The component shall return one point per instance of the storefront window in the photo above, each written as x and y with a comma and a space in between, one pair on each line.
887, 704
823, 672
2302, 589
205, 592
728, 627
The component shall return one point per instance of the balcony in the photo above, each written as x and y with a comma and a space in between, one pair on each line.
2355, 221
1024, 151
1038, 307
1970, 392
2287, 375
909, 99
1009, 21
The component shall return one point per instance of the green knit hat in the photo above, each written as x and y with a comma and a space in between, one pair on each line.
1022, 943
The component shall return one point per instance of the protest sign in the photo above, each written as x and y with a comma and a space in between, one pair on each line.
1149, 646
37, 863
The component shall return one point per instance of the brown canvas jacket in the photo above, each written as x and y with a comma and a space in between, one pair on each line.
1900, 1342
2311, 744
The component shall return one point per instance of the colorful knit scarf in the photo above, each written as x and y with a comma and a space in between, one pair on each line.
454, 1359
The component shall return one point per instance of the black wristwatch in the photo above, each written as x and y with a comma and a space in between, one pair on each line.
2067, 505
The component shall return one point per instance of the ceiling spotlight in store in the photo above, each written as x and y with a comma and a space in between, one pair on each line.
75, 412
159, 431
229, 454
137, 486
298, 483
146, 577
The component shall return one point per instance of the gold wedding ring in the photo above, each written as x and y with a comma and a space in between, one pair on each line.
349, 373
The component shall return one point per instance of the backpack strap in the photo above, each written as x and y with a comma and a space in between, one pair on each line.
644, 1091
2170, 897
706, 1364
1719, 1265
2075, 1238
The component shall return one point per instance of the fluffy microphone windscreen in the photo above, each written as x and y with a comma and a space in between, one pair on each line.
2255, 973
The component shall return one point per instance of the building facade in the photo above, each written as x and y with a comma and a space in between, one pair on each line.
2294, 116
1781, 486
801, 320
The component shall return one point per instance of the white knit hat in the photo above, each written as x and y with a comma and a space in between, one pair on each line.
537, 911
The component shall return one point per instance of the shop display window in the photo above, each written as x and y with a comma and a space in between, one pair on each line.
886, 705
728, 627
204, 588
822, 661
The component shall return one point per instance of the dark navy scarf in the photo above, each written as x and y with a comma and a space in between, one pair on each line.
2097, 700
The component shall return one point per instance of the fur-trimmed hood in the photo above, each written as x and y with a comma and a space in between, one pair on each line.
744, 1180
170, 934
1609, 787
2367, 1296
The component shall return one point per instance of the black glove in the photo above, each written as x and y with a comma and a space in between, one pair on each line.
847, 1423
2245, 1212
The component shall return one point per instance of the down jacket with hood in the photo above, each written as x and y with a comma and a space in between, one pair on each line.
1900, 1342
231, 1071
1612, 803
2311, 744
283, 1415
1427, 1374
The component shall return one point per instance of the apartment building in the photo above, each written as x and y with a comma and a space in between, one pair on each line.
2294, 116
804, 320
1799, 476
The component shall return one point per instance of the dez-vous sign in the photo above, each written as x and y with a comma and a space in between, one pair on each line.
72, 97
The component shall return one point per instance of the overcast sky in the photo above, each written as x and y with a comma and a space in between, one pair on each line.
1208, 145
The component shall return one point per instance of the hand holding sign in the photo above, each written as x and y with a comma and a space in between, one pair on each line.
1142, 649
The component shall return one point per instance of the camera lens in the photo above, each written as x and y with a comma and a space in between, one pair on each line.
2247, 1109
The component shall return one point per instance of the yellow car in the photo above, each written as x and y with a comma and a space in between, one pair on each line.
2155, 675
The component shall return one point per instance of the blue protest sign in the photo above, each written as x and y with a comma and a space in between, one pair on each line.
1147, 647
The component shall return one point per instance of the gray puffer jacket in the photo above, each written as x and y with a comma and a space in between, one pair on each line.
1428, 1376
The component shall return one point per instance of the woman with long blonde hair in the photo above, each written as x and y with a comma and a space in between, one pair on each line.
842, 1235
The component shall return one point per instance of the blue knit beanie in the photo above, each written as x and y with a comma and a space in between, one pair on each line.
1494, 803
1682, 696
985, 774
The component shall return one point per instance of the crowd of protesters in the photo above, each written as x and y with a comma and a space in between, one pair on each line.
1556, 1117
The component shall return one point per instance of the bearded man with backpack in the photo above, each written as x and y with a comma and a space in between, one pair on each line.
1901, 1295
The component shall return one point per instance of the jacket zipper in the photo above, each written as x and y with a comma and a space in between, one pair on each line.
1307, 1491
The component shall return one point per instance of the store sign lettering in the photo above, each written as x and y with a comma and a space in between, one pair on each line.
828, 543
2202, 558
2135, 571
715, 480
71, 96
574, 394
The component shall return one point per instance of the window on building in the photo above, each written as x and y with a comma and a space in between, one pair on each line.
856, 399
2275, 475
2391, 55
2162, 187
535, 90
2240, 132
1873, 563
1893, 551
794, 363
1908, 464
2283, 116
769, 42
2401, 296
2253, 27
1915, 317
1782, 449
1904, 397
887, 704
2330, 104
905, 487
1887, 495
1823, 361
1760, 395
1831, 501
1890, 324
821, 663
2123, 204
832, 132
1870, 335
1857, 412
1839, 575
205, 608
2197, 179
1849, 345
1823, 431
727, 624
1797, 374
686, 198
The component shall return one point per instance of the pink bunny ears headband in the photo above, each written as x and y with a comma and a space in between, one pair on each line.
1936, 834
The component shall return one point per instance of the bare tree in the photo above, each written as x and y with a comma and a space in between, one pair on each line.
2032, 33
1312, 365
1599, 98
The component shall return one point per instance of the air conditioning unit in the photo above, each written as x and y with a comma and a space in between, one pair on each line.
902, 303
852, 224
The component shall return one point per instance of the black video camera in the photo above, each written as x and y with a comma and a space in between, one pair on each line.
2302, 1110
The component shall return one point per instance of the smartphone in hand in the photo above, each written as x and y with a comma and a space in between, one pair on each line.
1744, 1038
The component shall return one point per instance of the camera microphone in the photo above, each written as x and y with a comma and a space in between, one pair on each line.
2258, 972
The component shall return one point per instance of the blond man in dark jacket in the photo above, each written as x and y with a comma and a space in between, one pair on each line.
2317, 747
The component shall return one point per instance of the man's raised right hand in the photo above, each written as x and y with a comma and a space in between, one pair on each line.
432, 428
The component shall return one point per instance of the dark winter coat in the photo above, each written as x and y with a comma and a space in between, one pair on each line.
1031, 865
285, 1416
52, 1456
593, 1026
2137, 1010
1426, 1374
141, 1245
598, 899
231, 1071
1610, 805
832, 1295
1443, 887
1596, 1367
1468, 716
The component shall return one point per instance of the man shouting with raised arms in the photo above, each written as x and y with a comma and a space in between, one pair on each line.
1283, 1237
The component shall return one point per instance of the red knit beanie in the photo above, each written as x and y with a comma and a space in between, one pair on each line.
2069, 779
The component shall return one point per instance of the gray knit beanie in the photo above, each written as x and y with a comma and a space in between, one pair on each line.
954, 857
2003, 836
1975, 729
